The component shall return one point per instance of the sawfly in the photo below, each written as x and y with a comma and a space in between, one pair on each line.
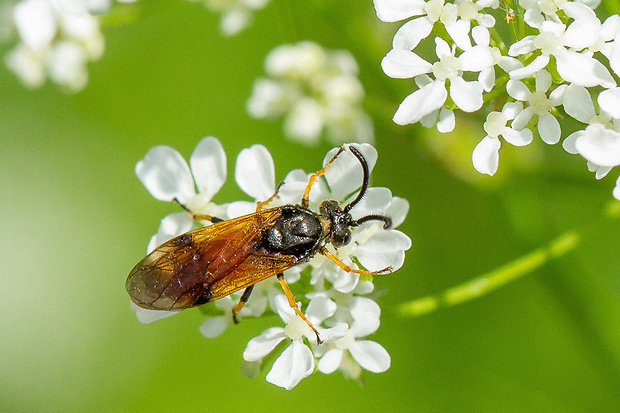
214, 261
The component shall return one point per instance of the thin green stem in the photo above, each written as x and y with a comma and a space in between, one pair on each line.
501, 276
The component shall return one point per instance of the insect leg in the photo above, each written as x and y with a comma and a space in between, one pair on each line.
293, 304
244, 299
199, 217
345, 267
262, 204
314, 176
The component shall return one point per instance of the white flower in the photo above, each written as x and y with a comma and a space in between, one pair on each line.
316, 91
538, 105
578, 104
349, 352
485, 156
167, 176
599, 145
432, 95
58, 39
297, 361
564, 43
236, 15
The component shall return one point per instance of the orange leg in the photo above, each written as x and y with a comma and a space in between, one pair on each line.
293, 304
244, 299
199, 217
314, 176
345, 267
262, 204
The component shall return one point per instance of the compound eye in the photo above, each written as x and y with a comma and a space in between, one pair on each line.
341, 238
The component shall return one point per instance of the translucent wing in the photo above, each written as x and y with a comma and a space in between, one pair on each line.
206, 264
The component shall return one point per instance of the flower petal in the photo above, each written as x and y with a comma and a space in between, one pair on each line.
397, 210
549, 129
459, 32
165, 174
320, 308
383, 249
411, 33
466, 95
485, 156
395, 10
35, 22
330, 361
421, 102
294, 364
213, 326
329, 335
616, 191
537, 64
365, 313
517, 90
578, 103
518, 137
146, 316
254, 172
599, 145
609, 101
583, 70
208, 164
403, 64
374, 202
345, 282
446, 121
476, 58
569, 143
371, 356
585, 29
264, 344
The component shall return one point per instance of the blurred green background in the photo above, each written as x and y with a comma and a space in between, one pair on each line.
74, 219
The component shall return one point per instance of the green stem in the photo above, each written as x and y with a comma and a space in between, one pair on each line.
501, 276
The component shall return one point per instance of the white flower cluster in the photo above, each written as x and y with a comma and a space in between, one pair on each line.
316, 91
236, 15
569, 58
57, 39
338, 302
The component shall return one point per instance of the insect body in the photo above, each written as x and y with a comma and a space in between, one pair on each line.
212, 262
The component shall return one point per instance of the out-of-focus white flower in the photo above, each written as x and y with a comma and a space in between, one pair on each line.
236, 15
57, 40
316, 91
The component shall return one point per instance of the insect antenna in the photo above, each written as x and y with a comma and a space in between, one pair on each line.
387, 221
366, 181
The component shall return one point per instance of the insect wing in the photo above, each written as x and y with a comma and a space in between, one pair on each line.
179, 273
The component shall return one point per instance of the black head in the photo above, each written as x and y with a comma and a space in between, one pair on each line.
340, 218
